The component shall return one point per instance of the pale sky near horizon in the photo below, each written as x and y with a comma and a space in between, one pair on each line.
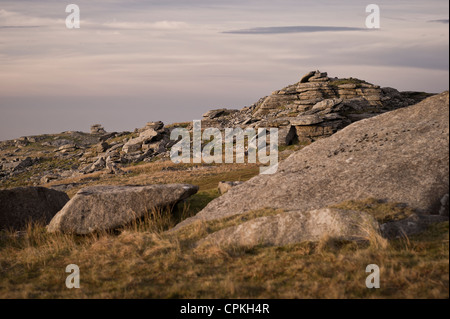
135, 61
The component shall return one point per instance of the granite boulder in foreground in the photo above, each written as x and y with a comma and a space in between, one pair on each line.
99, 208
400, 156
294, 227
19, 206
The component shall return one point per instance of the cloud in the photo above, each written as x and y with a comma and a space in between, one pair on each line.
293, 29
17, 20
439, 21
19, 26
159, 25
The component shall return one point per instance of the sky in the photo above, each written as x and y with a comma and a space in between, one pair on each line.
135, 61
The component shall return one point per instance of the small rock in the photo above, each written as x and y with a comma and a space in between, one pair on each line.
226, 186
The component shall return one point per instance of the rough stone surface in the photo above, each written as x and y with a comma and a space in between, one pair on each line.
400, 156
295, 227
226, 186
18, 206
97, 129
100, 208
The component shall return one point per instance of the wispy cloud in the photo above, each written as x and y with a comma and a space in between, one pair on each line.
439, 21
159, 25
17, 20
19, 26
293, 29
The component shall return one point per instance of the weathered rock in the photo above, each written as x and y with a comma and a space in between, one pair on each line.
154, 125
286, 134
144, 137
48, 178
21, 142
306, 120
60, 142
400, 156
67, 148
214, 113
226, 186
326, 104
307, 76
19, 206
411, 225
295, 227
98, 165
101, 208
97, 129
112, 167
102, 147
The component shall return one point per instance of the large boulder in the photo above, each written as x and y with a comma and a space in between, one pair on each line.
99, 208
295, 227
19, 206
400, 156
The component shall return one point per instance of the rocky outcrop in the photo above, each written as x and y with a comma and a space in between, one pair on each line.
19, 206
101, 208
315, 107
400, 156
97, 129
295, 227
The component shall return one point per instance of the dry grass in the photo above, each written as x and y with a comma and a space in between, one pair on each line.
142, 261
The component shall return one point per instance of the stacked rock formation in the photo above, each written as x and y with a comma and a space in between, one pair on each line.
315, 107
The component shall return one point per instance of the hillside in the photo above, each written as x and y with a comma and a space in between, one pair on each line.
362, 179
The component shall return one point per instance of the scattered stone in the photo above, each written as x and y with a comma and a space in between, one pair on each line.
48, 178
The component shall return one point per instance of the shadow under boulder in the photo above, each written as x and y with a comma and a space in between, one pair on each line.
22, 205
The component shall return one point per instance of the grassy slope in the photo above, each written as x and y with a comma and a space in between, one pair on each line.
142, 261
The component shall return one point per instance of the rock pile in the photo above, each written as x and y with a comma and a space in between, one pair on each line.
315, 107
